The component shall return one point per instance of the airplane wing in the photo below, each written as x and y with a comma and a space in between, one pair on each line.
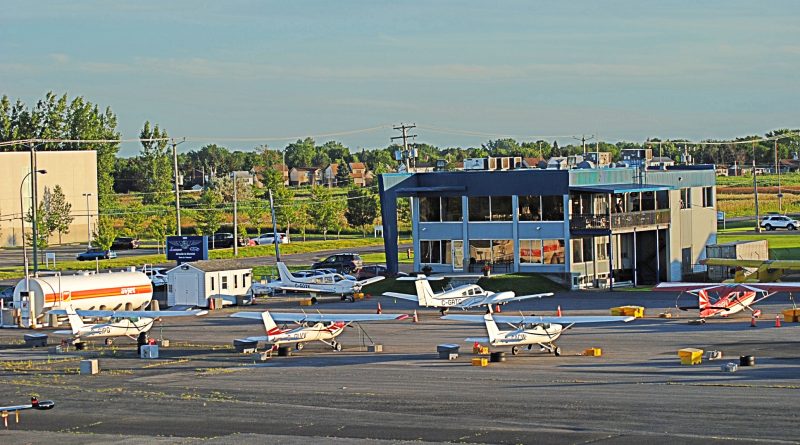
299, 317
477, 340
305, 289
769, 287
686, 287
500, 298
728, 287
35, 404
402, 296
734, 263
363, 283
129, 314
516, 319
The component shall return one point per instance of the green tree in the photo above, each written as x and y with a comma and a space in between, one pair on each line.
210, 216
156, 175
288, 210
362, 208
105, 232
134, 218
300, 153
161, 224
323, 209
59, 212
342, 178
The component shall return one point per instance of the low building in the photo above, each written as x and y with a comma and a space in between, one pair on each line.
195, 283
305, 176
587, 225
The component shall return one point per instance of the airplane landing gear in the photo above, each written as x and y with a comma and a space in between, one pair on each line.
336, 346
298, 346
556, 351
514, 350
443, 310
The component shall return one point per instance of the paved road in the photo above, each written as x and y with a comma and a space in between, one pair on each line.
14, 257
200, 391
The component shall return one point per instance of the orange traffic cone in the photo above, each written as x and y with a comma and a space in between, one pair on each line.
558, 310
380, 311
753, 321
777, 321
211, 304
416, 317
497, 308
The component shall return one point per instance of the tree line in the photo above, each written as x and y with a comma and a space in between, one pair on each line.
136, 193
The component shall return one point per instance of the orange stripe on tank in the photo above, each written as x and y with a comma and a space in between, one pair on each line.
100, 293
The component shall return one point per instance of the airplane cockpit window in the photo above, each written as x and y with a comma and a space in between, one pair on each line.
471, 291
337, 278
478, 290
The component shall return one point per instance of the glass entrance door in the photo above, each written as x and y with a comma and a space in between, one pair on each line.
458, 255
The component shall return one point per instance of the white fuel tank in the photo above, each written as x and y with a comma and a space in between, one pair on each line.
112, 291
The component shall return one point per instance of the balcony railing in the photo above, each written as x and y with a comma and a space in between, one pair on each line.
619, 220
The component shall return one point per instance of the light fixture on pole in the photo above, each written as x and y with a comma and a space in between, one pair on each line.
235, 218
22, 219
88, 221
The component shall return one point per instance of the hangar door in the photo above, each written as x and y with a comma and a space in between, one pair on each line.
187, 290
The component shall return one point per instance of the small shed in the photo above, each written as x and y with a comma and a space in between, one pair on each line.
195, 283
735, 250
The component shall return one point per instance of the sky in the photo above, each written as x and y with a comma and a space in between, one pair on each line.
246, 73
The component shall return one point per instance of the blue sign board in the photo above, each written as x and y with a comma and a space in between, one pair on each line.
184, 249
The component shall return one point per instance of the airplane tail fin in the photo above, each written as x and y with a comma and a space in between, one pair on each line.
75, 321
703, 300
491, 327
283, 272
269, 324
424, 292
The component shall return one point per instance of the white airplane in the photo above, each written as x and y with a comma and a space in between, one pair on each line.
528, 331
465, 296
122, 324
316, 281
311, 327
35, 404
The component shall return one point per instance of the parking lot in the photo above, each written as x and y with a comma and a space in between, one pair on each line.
201, 391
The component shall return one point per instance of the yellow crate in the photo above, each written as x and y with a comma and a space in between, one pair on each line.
480, 361
593, 352
633, 311
305, 302
617, 311
690, 356
791, 315
481, 350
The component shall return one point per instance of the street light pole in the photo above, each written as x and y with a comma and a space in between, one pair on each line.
22, 220
88, 221
235, 218
755, 189
35, 228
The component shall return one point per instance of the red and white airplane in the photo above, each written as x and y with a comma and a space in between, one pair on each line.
311, 327
724, 299
35, 404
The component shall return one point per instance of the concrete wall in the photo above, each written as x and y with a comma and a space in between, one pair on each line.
74, 171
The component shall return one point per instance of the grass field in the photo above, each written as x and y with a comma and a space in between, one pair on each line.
781, 247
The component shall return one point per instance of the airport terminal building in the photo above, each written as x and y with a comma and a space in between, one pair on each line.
587, 225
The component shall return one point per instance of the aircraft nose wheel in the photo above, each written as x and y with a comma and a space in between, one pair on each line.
557, 351
337, 346
298, 347
514, 350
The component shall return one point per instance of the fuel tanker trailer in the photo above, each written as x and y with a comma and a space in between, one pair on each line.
87, 291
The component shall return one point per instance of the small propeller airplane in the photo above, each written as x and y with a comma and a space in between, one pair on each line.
316, 282
324, 328
35, 404
755, 271
528, 330
730, 298
464, 297
123, 323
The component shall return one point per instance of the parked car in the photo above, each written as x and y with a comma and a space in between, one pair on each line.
773, 222
269, 238
341, 262
157, 276
125, 242
7, 296
375, 270
224, 240
96, 253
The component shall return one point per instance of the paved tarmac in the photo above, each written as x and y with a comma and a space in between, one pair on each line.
201, 391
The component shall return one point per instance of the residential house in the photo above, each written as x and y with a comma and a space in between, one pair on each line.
305, 176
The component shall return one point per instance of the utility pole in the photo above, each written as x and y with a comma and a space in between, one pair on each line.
88, 221
755, 189
778, 171
583, 140
177, 187
34, 205
405, 155
274, 229
235, 217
